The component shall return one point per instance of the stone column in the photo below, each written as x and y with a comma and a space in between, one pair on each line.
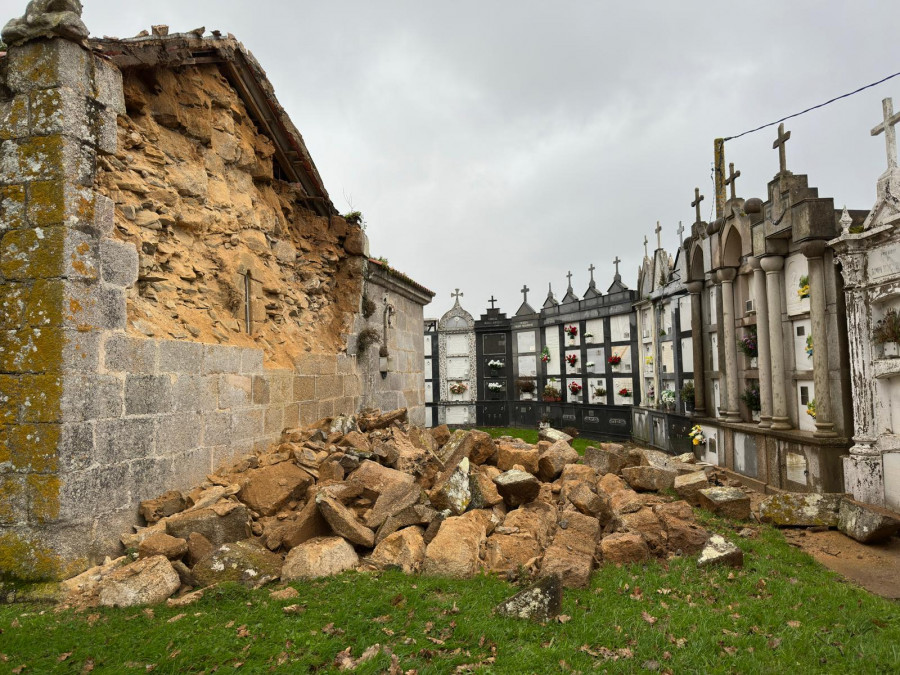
772, 266
762, 341
726, 277
695, 288
814, 252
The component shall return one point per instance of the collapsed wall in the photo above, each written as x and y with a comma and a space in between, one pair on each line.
176, 288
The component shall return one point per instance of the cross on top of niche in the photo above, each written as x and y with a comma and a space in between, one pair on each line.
658, 235
890, 134
493, 301
732, 178
617, 261
457, 295
779, 143
696, 203
525, 290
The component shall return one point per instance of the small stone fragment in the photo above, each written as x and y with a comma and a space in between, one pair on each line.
539, 602
865, 523
718, 551
726, 501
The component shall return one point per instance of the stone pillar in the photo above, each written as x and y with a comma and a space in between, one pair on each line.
762, 341
698, 328
62, 284
772, 266
814, 252
726, 277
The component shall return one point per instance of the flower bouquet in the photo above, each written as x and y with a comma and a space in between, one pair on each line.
667, 397
495, 386
545, 355
572, 332
551, 392
748, 345
495, 364
572, 359
575, 388
696, 435
803, 290
589, 364
751, 399
614, 360
811, 408
625, 392
809, 347
599, 391
459, 388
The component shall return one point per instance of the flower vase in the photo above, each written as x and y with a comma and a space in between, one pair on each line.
755, 415
754, 362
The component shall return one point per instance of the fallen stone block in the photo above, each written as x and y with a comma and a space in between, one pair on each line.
419, 514
553, 435
148, 581
625, 501
517, 487
719, 551
452, 493
343, 521
866, 523
646, 523
307, 524
375, 479
320, 557
509, 455
552, 462
404, 549
574, 568
536, 518
623, 548
243, 562
589, 502
162, 544
726, 501
801, 510
688, 486
377, 420
649, 477
608, 458
454, 551
539, 602
484, 492
267, 490
219, 527
510, 552
391, 502
168, 504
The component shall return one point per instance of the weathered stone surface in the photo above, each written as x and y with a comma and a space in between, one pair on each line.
517, 487
482, 447
232, 525
589, 502
356, 441
625, 501
648, 525
865, 523
391, 502
686, 458
536, 518
539, 602
623, 548
509, 455
510, 552
413, 515
343, 521
680, 509
719, 551
244, 562
454, 551
375, 479
198, 548
571, 556
267, 490
804, 510
404, 549
554, 460
47, 19
162, 544
553, 435
371, 422
484, 491
453, 493
611, 483
168, 504
307, 524
608, 458
726, 501
688, 486
441, 434
577, 472
320, 557
685, 536
146, 582
649, 477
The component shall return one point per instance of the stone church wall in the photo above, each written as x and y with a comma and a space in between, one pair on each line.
167, 303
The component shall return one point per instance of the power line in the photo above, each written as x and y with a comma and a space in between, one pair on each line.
815, 107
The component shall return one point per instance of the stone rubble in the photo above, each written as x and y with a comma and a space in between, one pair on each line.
372, 492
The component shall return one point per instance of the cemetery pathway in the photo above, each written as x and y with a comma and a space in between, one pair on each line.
875, 567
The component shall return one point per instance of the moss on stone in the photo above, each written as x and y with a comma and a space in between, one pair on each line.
40, 397
24, 560
32, 350
33, 447
43, 497
33, 253
47, 203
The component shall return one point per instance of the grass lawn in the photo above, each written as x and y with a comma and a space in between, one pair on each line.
782, 612
531, 436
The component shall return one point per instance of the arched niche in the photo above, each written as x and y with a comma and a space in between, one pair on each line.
733, 248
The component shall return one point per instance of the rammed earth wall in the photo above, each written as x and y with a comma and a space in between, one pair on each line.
94, 418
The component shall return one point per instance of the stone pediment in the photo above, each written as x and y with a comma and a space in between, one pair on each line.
457, 319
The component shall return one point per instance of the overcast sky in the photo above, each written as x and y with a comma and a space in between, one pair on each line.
491, 144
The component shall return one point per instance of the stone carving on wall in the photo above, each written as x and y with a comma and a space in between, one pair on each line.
47, 19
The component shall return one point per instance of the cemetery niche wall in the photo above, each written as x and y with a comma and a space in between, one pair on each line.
569, 364
771, 381
456, 369
868, 253
177, 286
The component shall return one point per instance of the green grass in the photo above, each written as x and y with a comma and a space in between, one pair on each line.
782, 612
531, 436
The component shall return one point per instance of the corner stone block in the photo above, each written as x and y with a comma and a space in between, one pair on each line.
46, 253
14, 505
43, 498
119, 264
108, 90
217, 359
60, 111
48, 64
12, 206
123, 353
40, 398
178, 356
83, 492
10, 400
59, 202
13, 298
106, 133
104, 216
148, 394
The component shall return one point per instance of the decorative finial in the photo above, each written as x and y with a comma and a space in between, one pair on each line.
846, 221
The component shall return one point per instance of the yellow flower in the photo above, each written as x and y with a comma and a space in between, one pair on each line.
696, 441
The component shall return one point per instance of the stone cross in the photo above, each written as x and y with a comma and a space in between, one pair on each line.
890, 134
457, 295
525, 290
696, 203
493, 301
569, 277
591, 270
680, 232
646, 241
732, 178
617, 261
780, 143
658, 235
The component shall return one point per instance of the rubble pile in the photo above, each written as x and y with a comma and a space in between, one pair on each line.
373, 492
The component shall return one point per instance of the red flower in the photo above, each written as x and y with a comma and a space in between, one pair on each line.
615, 359
572, 359
575, 387
572, 331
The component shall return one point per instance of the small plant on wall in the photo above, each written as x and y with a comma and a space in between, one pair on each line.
687, 393
748, 343
750, 397
599, 391
366, 338
368, 306
887, 332
525, 385
551, 392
